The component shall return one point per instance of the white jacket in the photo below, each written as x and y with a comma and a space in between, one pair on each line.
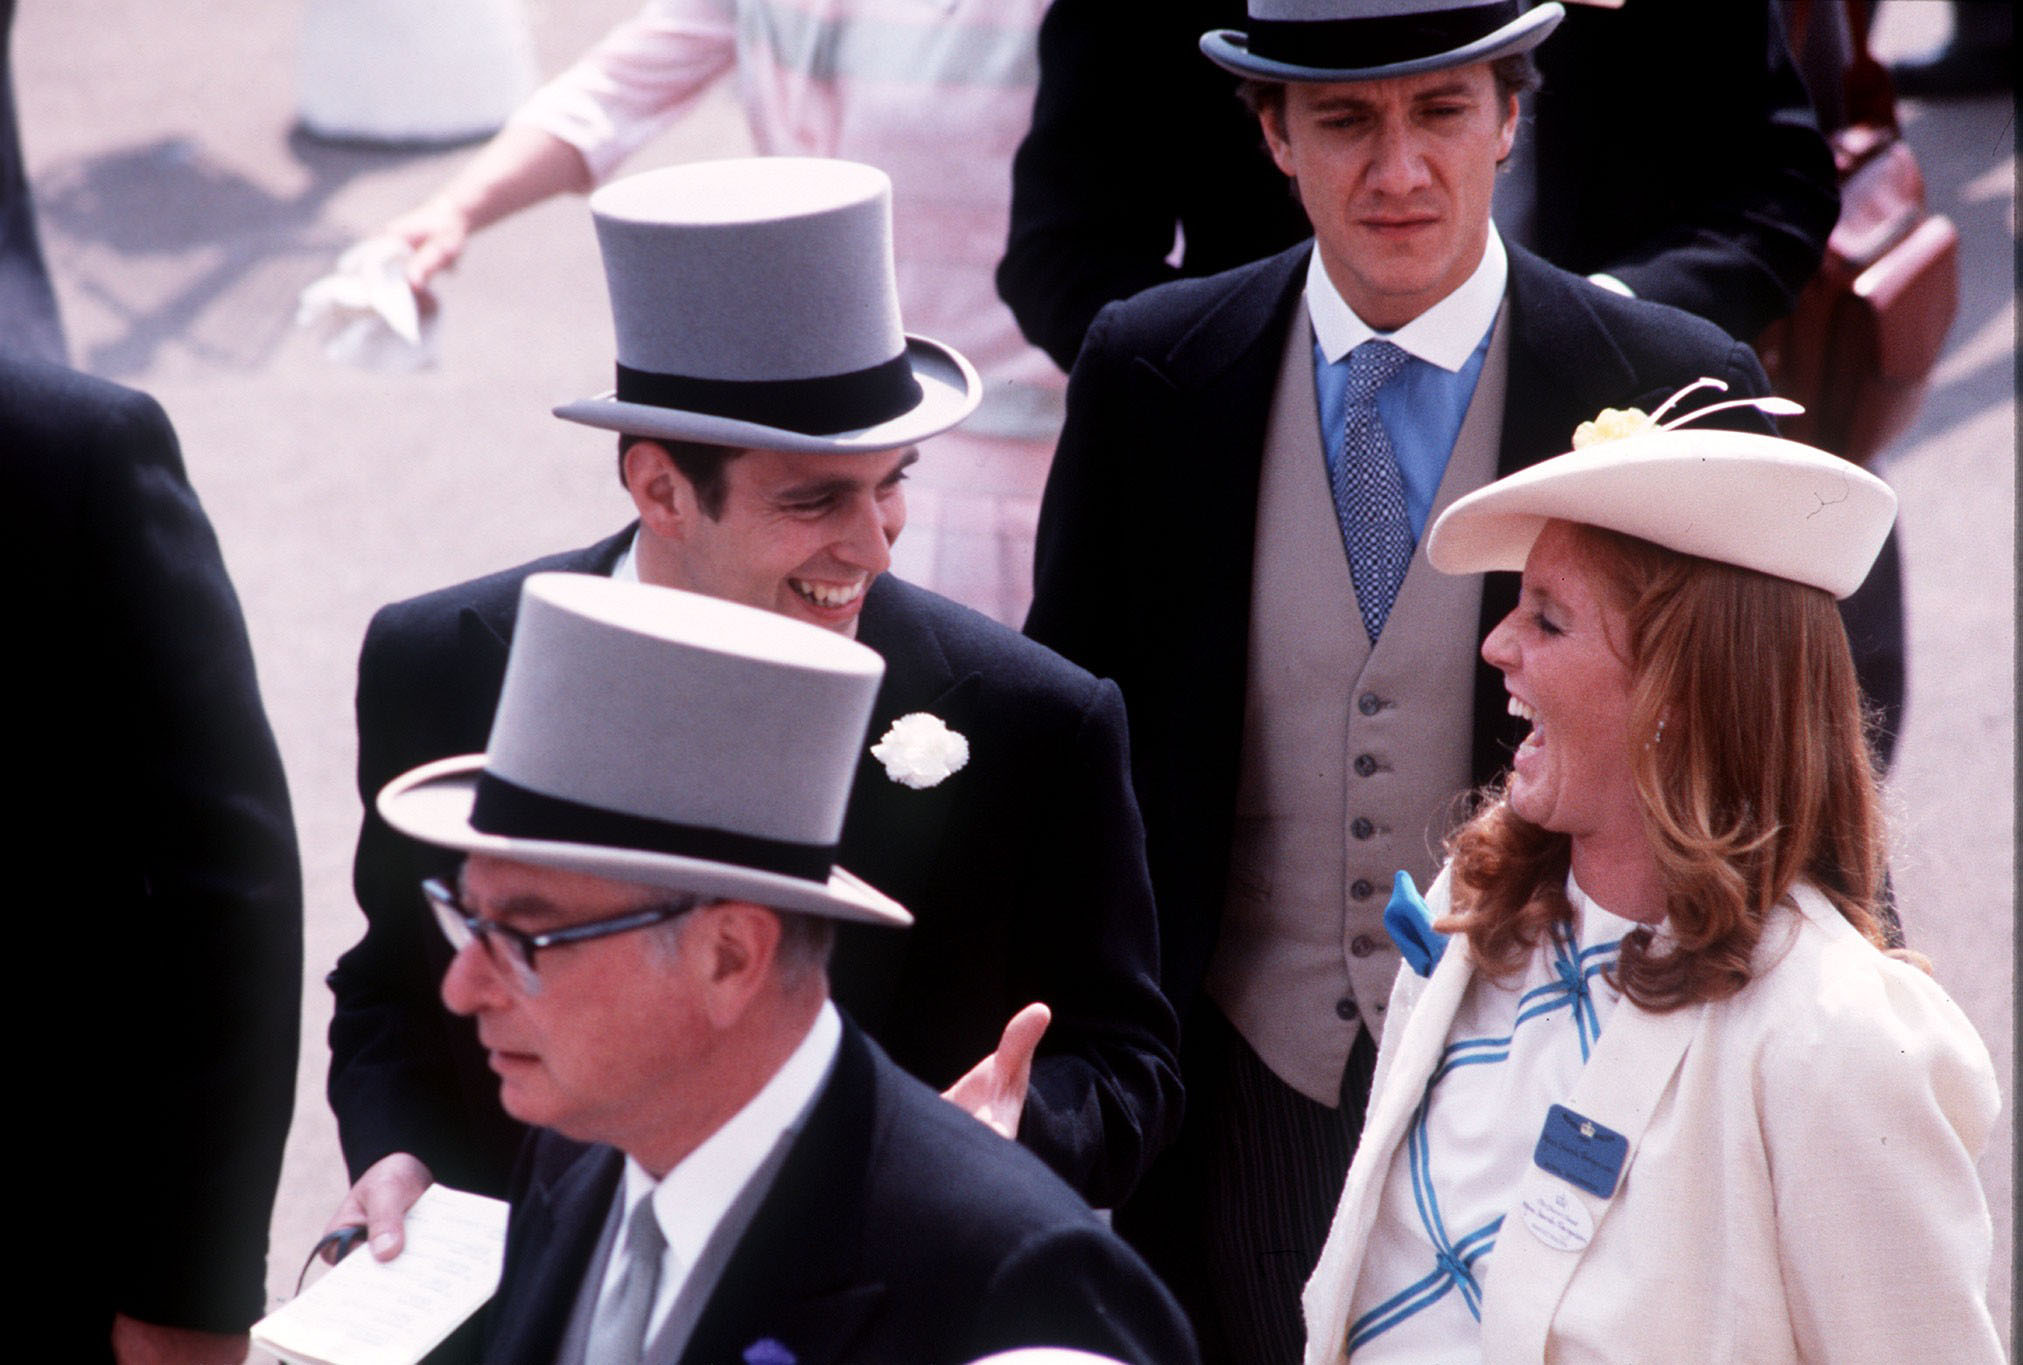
1800, 1183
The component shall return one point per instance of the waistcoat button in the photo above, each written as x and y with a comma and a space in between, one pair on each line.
1369, 703
1360, 888
1365, 765
1361, 827
1345, 1010
1362, 945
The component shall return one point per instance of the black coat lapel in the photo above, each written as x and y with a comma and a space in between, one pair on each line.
894, 836
1559, 354
792, 1291
1562, 361
1221, 376
485, 622
557, 1222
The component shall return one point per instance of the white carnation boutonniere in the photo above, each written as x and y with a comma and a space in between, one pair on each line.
1614, 424
920, 751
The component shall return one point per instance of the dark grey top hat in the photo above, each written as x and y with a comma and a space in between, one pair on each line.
650, 735
1365, 40
755, 305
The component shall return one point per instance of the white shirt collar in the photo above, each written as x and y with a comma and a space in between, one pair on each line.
690, 1200
1445, 334
626, 570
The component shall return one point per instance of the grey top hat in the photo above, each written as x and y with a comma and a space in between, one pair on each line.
755, 306
1364, 40
650, 735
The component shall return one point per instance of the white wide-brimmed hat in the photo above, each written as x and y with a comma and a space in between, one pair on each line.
1366, 40
1740, 497
756, 306
650, 735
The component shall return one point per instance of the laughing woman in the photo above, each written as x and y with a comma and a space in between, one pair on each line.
1665, 1097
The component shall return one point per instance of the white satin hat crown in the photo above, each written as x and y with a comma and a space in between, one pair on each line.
1762, 502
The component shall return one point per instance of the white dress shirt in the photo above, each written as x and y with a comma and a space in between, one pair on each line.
690, 1200
1423, 407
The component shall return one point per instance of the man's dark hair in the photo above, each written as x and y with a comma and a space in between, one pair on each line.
1514, 73
806, 942
700, 463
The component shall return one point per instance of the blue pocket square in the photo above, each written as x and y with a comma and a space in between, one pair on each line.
1410, 925
768, 1351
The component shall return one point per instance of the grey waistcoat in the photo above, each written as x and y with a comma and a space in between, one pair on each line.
1355, 757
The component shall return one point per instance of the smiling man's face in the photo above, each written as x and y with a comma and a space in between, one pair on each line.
799, 534
1396, 177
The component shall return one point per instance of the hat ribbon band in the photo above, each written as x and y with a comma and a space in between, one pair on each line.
505, 808
1362, 44
820, 406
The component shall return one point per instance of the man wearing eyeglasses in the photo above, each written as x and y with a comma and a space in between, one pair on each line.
1025, 866
724, 1168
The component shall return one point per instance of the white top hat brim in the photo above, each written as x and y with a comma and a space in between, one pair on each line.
1742, 498
1229, 49
949, 391
433, 804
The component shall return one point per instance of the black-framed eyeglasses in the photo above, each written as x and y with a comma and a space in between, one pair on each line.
512, 950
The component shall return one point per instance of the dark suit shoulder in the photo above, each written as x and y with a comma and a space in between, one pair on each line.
970, 1226
76, 446
914, 628
494, 596
42, 403
1656, 339
1213, 318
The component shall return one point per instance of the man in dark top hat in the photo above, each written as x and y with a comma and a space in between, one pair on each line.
725, 1168
768, 405
1230, 531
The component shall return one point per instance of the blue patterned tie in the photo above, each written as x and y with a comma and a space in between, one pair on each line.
1369, 492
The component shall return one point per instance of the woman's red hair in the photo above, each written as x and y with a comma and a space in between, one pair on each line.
1761, 778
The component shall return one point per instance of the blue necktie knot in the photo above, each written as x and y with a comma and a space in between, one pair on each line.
1371, 366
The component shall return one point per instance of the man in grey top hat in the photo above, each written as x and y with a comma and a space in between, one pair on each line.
767, 404
726, 1169
1230, 531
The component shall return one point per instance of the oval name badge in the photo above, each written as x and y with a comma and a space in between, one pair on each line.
1558, 1218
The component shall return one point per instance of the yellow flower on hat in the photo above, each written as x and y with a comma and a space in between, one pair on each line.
1610, 424
1613, 424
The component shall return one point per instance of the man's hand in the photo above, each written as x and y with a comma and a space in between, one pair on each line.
146, 1343
380, 1201
994, 1090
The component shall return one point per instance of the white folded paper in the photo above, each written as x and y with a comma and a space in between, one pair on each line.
369, 1312
366, 314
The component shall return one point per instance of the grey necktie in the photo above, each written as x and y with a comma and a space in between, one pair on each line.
1369, 491
618, 1335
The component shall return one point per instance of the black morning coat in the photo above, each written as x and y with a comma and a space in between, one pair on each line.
154, 940
1025, 872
